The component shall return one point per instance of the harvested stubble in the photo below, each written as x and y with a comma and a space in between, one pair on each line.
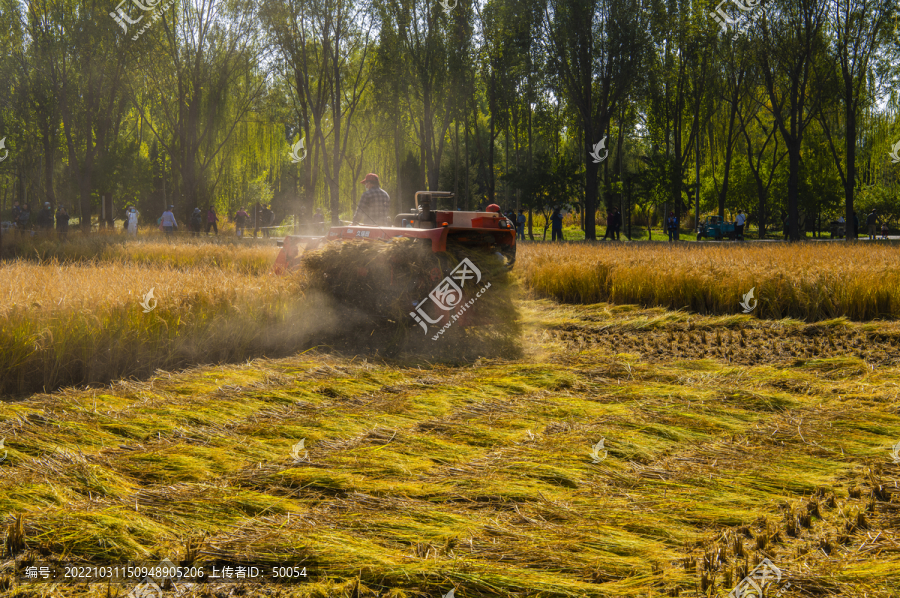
477, 477
807, 281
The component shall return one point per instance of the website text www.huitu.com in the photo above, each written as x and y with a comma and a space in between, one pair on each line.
458, 314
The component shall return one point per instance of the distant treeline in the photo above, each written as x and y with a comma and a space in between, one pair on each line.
776, 108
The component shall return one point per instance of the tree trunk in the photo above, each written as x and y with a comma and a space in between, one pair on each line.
590, 186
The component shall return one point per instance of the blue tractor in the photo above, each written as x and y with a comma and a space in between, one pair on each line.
716, 228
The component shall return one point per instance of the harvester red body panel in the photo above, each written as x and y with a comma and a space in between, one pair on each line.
475, 229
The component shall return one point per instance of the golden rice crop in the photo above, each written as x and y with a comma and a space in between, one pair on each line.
809, 281
245, 256
73, 324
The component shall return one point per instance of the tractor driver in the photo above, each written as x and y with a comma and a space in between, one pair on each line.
374, 204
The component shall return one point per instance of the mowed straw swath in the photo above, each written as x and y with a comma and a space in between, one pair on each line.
808, 281
76, 324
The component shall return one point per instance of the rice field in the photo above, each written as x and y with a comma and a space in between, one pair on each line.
807, 281
483, 478
88, 323
727, 438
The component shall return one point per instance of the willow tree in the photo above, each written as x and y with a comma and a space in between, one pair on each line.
86, 71
202, 62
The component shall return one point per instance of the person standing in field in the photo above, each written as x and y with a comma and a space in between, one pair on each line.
131, 219
196, 222
872, 224
617, 223
609, 225
739, 225
556, 226
168, 223
211, 220
268, 216
62, 222
375, 204
520, 222
240, 221
672, 226
45, 218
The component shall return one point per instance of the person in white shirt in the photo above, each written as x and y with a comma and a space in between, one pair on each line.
739, 224
132, 218
167, 222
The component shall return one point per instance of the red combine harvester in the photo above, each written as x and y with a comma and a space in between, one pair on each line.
435, 228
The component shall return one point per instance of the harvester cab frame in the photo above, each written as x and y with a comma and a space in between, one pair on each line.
434, 228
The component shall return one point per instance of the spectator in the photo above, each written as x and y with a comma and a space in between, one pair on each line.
520, 224
131, 221
739, 225
240, 221
62, 222
556, 225
672, 226
45, 218
884, 230
617, 223
872, 224
196, 222
211, 220
16, 210
268, 217
168, 222
24, 218
609, 225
